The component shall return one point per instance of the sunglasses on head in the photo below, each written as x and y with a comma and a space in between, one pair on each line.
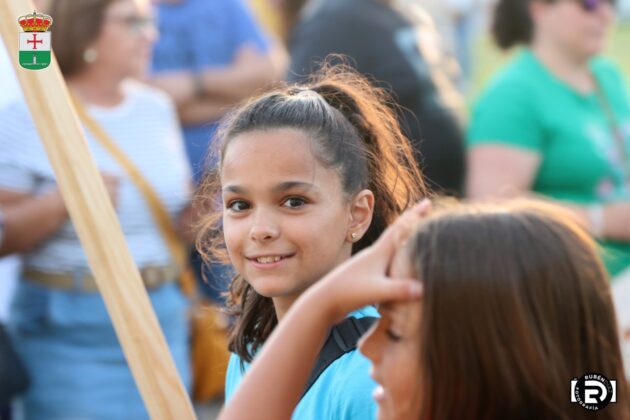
593, 5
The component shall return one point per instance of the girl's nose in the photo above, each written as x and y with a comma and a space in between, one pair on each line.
264, 229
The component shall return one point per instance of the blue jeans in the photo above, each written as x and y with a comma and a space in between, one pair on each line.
77, 367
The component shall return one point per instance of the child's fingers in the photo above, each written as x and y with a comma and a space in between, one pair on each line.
399, 230
415, 213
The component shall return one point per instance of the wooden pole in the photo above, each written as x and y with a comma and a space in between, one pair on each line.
94, 218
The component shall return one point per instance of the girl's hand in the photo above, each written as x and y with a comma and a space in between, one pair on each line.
112, 184
364, 280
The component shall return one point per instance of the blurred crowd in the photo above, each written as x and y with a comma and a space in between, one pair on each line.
554, 122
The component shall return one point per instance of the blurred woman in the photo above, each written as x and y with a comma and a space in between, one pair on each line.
556, 120
59, 321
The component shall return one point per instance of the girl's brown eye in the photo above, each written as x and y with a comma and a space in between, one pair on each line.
238, 205
294, 202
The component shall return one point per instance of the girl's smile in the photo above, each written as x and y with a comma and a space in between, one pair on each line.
269, 261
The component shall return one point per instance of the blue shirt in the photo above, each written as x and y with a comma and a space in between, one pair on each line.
200, 34
342, 392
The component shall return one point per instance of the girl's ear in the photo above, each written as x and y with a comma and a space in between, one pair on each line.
361, 210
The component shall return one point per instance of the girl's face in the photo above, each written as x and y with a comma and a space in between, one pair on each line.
579, 27
393, 346
286, 220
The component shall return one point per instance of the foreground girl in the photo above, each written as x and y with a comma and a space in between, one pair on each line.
515, 305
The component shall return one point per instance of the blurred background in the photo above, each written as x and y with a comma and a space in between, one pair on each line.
436, 56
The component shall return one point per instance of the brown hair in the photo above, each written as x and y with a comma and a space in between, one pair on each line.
354, 131
290, 10
516, 304
77, 25
512, 23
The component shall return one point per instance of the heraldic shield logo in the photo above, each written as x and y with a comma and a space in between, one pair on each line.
35, 41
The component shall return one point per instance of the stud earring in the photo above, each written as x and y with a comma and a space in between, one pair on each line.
90, 55
354, 236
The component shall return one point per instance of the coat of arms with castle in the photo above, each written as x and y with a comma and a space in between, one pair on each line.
35, 41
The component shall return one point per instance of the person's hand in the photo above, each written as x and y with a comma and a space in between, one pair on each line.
179, 85
364, 280
617, 221
112, 183
247, 54
250, 62
186, 222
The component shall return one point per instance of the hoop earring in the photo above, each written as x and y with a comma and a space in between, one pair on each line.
90, 55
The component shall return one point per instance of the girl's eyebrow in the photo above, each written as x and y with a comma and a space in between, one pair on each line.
288, 185
234, 189
283, 186
395, 313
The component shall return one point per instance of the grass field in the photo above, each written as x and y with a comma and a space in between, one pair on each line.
488, 58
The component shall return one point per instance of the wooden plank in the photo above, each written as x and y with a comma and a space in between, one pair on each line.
98, 228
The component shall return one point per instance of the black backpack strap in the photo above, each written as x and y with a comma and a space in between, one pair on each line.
342, 339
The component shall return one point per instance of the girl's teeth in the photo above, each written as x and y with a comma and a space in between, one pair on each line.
268, 260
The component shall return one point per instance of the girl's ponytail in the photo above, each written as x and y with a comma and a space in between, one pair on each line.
393, 173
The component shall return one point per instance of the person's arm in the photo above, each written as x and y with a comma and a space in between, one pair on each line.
203, 111
250, 71
29, 220
288, 357
205, 96
501, 171
189, 218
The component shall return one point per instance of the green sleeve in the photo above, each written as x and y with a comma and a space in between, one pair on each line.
507, 113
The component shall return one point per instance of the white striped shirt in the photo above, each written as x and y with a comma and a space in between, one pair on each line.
145, 126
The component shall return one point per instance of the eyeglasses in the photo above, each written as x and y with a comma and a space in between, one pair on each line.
593, 5
134, 23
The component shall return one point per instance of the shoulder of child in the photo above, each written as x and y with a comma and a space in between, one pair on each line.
343, 391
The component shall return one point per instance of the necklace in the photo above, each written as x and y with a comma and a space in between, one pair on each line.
615, 129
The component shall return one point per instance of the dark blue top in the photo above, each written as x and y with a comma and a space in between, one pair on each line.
196, 35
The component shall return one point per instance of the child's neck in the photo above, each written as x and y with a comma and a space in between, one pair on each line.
282, 305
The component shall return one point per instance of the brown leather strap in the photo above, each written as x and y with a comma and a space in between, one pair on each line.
159, 212
152, 277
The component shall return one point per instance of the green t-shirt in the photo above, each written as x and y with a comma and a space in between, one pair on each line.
528, 107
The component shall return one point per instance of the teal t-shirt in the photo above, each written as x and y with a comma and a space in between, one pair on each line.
342, 392
527, 107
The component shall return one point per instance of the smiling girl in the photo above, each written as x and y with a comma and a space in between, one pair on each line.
308, 175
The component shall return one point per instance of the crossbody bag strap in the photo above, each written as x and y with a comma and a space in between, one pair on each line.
342, 339
157, 208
